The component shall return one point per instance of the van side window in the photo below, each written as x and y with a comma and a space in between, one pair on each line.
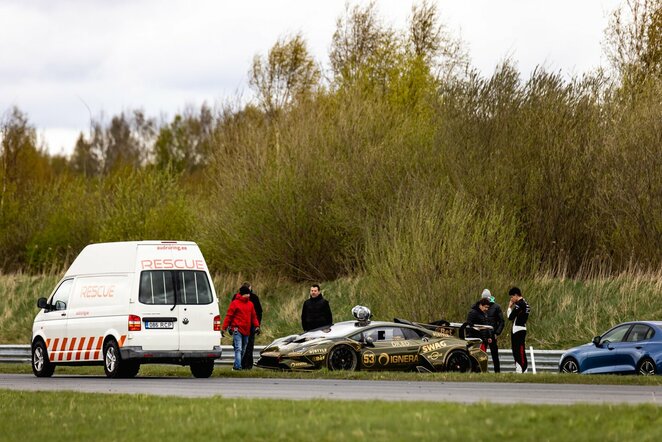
60, 298
161, 287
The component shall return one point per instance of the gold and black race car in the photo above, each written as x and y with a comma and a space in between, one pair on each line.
366, 345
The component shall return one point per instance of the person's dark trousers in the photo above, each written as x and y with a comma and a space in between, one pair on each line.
519, 350
247, 360
494, 351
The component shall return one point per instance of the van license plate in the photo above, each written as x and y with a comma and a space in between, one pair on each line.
159, 324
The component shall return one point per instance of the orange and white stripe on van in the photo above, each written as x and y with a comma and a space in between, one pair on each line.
86, 348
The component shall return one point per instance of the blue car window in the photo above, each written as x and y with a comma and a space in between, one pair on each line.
650, 333
638, 333
616, 334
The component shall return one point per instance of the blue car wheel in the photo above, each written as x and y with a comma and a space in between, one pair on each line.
646, 368
569, 365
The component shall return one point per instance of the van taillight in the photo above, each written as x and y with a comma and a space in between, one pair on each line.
217, 323
134, 323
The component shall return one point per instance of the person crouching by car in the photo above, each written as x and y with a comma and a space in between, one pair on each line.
478, 316
316, 311
238, 321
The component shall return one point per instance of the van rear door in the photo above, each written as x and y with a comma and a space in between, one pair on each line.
197, 308
158, 311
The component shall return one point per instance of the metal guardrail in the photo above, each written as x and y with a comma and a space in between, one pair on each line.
539, 360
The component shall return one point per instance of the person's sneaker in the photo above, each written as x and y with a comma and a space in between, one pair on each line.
236, 369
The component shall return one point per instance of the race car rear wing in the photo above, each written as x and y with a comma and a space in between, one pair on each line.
450, 328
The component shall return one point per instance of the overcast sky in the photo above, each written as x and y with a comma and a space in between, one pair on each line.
61, 57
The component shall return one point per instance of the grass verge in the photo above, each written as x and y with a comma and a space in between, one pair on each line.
65, 416
540, 378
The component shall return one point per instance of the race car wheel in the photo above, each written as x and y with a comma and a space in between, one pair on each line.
342, 357
646, 367
202, 369
112, 361
569, 365
41, 366
458, 361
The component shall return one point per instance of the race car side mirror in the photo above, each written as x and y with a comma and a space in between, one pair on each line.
596, 341
369, 342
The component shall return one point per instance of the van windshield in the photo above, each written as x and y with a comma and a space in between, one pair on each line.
161, 286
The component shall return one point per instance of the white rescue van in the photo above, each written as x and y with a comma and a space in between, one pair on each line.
124, 304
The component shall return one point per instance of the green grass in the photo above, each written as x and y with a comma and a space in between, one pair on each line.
565, 312
226, 372
65, 416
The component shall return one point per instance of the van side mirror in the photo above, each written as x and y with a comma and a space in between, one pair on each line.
596, 341
42, 303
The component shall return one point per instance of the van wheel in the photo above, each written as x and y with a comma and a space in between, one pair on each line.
112, 361
41, 366
202, 369
129, 369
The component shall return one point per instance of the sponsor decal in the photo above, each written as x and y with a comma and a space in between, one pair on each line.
432, 347
438, 334
299, 364
400, 344
404, 359
385, 359
317, 351
165, 264
434, 356
318, 358
368, 359
97, 291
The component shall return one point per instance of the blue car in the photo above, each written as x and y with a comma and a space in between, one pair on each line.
631, 347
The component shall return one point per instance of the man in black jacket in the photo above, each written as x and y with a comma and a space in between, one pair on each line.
316, 311
478, 316
495, 319
518, 312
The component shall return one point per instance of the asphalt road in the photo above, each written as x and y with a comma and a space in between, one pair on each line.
466, 392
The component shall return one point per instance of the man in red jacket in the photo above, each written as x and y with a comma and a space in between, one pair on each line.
238, 321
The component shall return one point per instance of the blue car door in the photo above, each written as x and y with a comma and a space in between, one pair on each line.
637, 342
610, 355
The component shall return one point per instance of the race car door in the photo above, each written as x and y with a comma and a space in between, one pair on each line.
387, 348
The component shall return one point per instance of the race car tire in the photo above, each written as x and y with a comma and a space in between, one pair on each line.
202, 369
458, 361
112, 361
646, 367
569, 365
41, 366
342, 357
